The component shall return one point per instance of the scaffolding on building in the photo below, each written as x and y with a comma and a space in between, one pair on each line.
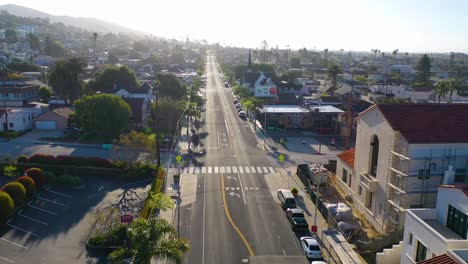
409, 188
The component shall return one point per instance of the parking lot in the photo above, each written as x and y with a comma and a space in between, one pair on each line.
55, 225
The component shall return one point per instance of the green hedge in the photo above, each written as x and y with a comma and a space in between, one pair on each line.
156, 187
16, 191
28, 184
7, 206
115, 237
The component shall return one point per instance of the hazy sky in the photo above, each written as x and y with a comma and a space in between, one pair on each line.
407, 25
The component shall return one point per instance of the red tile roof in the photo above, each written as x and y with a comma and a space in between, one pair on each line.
441, 259
462, 187
348, 157
63, 112
428, 123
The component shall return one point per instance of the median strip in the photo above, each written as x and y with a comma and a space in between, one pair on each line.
228, 214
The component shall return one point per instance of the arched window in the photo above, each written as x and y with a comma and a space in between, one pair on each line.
374, 156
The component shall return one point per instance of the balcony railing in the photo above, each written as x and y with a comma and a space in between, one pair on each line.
369, 182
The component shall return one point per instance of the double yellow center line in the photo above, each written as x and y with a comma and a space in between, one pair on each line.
228, 214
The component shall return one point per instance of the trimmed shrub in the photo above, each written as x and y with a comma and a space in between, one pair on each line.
10, 171
37, 175
41, 159
115, 237
63, 179
28, 184
16, 191
7, 206
22, 159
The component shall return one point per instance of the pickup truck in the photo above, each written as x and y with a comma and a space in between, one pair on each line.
297, 219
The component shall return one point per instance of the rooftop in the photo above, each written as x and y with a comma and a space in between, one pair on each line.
461, 187
325, 109
284, 109
441, 259
348, 157
428, 217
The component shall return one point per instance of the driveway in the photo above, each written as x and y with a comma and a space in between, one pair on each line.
34, 135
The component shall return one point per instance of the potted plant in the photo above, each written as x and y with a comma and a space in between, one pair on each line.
294, 191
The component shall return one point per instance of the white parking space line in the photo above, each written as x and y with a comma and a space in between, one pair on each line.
247, 169
259, 170
64, 195
203, 170
40, 209
265, 170
216, 169
210, 170
51, 201
234, 169
252, 169
222, 170
228, 169
24, 230
30, 218
13, 243
191, 169
241, 170
7, 260
271, 170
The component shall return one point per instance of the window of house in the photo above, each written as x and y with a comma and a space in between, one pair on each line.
460, 175
344, 177
457, 221
350, 179
374, 156
370, 200
360, 190
421, 252
410, 239
11, 125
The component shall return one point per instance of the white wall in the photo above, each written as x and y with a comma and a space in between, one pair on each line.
454, 197
22, 118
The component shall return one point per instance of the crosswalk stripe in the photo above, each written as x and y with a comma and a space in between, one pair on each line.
216, 169
259, 170
252, 169
209, 170
265, 170
251, 188
247, 169
246, 188
186, 170
241, 170
191, 169
272, 170
234, 169
228, 169
222, 170
197, 170
256, 188
203, 169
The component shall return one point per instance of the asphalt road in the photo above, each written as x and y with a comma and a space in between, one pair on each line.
227, 225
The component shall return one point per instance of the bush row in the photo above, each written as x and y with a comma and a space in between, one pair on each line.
156, 187
14, 194
115, 237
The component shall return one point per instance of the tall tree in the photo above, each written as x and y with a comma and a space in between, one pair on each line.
295, 63
442, 89
64, 77
168, 85
95, 36
423, 69
112, 79
11, 36
333, 70
34, 43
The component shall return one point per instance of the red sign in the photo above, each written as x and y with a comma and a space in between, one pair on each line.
126, 218
272, 90
313, 229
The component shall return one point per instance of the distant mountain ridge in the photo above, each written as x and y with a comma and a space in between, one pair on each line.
91, 24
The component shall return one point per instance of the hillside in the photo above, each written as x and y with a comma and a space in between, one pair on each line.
91, 24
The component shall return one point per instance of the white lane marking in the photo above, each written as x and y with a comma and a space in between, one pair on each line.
40, 209
24, 230
259, 170
191, 169
65, 195
203, 233
197, 170
216, 169
54, 202
252, 169
30, 218
203, 170
210, 170
222, 170
242, 188
234, 169
265, 170
227, 128
271, 169
186, 170
228, 169
7, 260
13, 243
247, 169
284, 252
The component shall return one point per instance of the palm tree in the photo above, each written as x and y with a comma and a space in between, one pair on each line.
95, 36
453, 85
442, 89
333, 71
75, 66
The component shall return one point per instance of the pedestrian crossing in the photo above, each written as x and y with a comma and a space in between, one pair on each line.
228, 170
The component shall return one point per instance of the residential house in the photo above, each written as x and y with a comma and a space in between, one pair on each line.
309, 86
140, 112
15, 93
406, 71
402, 152
421, 94
54, 119
19, 119
145, 91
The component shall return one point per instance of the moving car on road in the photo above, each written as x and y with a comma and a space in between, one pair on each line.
297, 219
311, 247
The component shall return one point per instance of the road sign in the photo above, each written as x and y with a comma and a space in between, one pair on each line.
281, 158
126, 218
313, 229
178, 159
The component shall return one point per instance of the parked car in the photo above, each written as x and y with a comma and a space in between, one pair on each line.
238, 105
239, 109
72, 132
286, 199
297, 219
311, 247
242, 114
236, 101
318, 262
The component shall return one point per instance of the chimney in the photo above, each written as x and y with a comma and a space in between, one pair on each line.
449, 176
